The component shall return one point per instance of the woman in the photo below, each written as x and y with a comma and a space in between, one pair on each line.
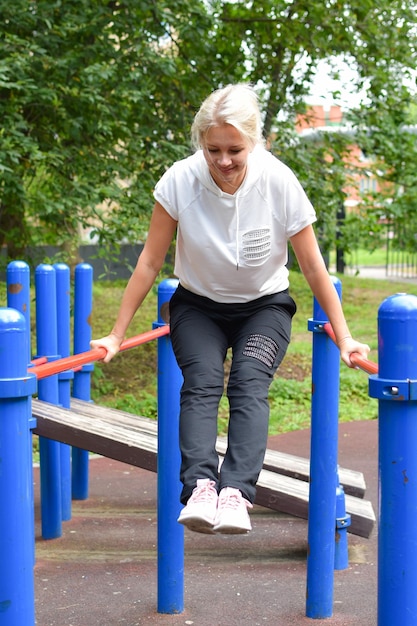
234, 207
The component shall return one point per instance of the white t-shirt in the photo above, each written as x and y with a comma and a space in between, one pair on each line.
233, 248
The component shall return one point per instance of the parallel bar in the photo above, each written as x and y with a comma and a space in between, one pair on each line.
78, 360
364, 364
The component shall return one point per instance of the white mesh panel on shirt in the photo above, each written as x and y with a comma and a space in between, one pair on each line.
256, 246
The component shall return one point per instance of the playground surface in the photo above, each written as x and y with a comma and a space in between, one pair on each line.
103, 570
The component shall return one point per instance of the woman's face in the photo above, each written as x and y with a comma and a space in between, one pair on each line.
226, 153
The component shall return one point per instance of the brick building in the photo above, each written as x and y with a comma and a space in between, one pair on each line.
362, 178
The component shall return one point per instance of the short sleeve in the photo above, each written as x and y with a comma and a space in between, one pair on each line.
165, 192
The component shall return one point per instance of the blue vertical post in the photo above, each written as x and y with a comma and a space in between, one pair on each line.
63, 307
83, 306
18, 294
395, 386
49, 451
18, 297
343, 521
170, 533
323, 467
17, 596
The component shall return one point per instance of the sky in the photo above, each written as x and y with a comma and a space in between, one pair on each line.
324, 86
349, 97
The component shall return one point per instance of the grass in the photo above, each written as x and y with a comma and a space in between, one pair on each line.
129, 381
362, 257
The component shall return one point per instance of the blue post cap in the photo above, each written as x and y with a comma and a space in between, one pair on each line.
400, 306
18, 279
61, 267
397, 333
12, 337
17, 266
14, 378
166, 290
11, 320
45, 268
83, 268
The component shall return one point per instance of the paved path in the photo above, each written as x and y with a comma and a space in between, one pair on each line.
102, 571
380, 273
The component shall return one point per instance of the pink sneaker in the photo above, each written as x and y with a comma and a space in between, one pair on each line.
199, 513
232, 513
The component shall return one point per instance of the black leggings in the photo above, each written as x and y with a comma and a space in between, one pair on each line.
258, 332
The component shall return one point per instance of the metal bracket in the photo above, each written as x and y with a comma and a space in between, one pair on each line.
396, 390
343, 522
316, 326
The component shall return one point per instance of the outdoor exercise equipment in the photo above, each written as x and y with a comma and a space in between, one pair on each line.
395, 387
51, 377
46, 368
364, 364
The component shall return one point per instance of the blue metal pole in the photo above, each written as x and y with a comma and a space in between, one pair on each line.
343, 521
170, 533
83, 306
395, 386
18, 297
18, 294
323, 467
17, 538
49, 451
63, 306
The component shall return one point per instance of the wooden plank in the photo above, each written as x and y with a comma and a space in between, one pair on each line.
117, 442
280, 462
297, 467
288, 495
133, 440
114, 416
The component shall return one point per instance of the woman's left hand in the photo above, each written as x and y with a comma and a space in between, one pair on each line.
348, 346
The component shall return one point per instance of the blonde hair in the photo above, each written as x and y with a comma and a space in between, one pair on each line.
236, 105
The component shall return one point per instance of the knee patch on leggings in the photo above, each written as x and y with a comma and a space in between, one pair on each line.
262, 348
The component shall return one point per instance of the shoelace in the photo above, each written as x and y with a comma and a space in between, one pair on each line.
204, 494
230, 500
233, 501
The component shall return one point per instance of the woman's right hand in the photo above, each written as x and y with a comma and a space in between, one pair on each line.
111, 343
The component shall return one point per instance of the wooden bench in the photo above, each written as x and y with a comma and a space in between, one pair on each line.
282, 484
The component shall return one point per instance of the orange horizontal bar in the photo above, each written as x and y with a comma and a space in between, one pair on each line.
364, 364
39, 361
76, 361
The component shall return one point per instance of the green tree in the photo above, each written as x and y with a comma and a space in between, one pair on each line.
97, 98
94, 98
385, 131
285, 42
